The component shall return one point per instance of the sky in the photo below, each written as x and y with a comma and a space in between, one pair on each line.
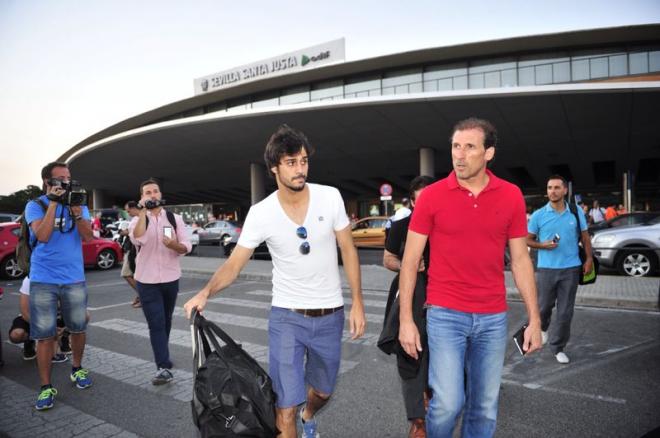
70, 68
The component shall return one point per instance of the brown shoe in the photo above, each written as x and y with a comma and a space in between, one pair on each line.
417, 428
136, 303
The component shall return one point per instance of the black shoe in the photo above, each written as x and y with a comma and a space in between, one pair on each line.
59, 358
65, 346
162, 377
29, 350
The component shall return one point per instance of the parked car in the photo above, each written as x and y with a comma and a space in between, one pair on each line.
370, 232
632, 250
216, 232
98, 253
623, 220
8, 217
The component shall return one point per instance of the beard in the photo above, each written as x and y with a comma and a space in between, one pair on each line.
297, 186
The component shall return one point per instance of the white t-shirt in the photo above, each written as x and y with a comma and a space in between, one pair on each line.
300, 281
401, 213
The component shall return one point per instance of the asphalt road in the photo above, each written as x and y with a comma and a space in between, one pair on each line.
610, 389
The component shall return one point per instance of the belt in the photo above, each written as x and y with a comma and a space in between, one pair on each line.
313, 313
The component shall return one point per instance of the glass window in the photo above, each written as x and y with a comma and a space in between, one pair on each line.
654, 61
580, 69
618, 65
477, 80
561, 72
546, 58
509, 78
327, 90
432, 86
265, 100
639, 63
492, 79
445, 71
402, 77
295, 95
598, 67
543, 74
358, 85
526, 76
491, 65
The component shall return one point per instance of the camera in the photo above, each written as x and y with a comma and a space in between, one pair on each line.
74, 194
151, 204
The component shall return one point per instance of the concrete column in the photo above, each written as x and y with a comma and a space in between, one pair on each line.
98, 199
427, 162
257, 186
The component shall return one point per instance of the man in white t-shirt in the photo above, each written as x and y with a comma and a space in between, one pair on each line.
302, 224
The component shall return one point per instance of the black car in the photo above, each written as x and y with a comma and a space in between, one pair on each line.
639, 218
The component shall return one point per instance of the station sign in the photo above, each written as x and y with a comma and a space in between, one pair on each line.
305, 59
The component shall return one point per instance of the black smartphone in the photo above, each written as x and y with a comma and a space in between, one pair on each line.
519, 339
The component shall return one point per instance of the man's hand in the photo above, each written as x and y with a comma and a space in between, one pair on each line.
55, 193
532, 338
198, 302
357, 323
171, 243
588, 265
409, 339
549, 244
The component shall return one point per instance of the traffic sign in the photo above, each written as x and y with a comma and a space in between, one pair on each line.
385, 190
385, 198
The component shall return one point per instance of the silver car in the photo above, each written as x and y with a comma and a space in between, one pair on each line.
218, 232
632, 250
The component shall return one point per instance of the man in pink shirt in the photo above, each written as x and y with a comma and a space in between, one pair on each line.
161, 239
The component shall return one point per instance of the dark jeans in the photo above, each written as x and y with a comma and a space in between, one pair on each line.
560, 286
158, 301
413, 389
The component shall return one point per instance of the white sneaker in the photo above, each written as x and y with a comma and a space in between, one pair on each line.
544, 338
562, 358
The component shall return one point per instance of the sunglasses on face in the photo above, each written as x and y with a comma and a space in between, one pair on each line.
304, 247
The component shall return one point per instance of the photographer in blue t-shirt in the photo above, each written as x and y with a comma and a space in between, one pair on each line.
58, 222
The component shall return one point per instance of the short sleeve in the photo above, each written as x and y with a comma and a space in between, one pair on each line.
395, 236
340, 219
85, 213
582, 219
533, 224
33, 212
518, 225
251, 232
421, 220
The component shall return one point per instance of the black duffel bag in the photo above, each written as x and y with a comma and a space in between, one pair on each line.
232, 394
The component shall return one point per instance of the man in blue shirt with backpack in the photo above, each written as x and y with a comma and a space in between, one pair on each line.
58, 224
553, 230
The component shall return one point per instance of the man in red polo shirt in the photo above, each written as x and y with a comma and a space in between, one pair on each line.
468, 219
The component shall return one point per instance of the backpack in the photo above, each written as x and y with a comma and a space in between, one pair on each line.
232, 394
132, 250
25, 245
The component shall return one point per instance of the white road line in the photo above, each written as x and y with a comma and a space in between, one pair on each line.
19, 417
369, 339
110, 306
537, 387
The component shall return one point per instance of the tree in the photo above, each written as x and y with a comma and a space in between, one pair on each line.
15, 202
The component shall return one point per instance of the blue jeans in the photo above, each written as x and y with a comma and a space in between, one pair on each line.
158, 301
43, 308
466, 358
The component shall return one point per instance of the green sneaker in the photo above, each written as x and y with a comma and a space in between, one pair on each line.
81, 379
45, 399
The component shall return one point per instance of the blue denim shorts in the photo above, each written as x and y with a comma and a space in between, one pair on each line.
43, 308
291, 338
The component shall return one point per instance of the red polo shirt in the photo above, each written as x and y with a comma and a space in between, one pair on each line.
467, 235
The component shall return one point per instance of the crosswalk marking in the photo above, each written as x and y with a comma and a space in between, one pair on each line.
347, 297
19, 418
228, 301
369, 339
182, 338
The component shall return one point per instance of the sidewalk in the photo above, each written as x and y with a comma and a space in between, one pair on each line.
608, 291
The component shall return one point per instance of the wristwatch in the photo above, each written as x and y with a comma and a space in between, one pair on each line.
77, 218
